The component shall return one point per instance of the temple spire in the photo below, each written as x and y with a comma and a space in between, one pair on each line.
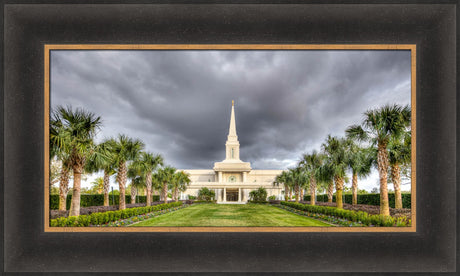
232, 129
232, 161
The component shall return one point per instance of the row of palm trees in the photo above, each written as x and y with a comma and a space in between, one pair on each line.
72, 134
382, 140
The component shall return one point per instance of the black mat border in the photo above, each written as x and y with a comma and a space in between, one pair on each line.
431, 27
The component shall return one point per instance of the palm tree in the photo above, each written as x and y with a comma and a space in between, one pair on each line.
57, 151
326, 178
311, 164
97, 186
64, 178
125, 149
298, 179
73, 132
103, 159
335, 148
164, 178
360, 162
181, 180
282, 179
378, 127
137, 180
399, 154
147, 163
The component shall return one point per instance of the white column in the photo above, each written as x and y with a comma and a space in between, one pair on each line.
245, 176
220, 177
239, 194
225, 195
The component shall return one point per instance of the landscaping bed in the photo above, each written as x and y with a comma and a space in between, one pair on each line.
354, 218
104, 218
54, 214
370, 209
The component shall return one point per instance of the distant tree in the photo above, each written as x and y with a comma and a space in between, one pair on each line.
259, 195
180, 182
97, 186
206, 194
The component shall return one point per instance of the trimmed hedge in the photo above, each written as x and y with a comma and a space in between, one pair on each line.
110, 216
96, 200
363, 217
369, 199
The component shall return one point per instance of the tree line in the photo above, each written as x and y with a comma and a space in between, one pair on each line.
382, 140
72, 143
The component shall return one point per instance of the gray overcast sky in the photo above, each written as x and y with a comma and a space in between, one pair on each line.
178, 102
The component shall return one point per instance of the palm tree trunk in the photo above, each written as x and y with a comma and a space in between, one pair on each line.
396, 176
63, 188
286, 192
338, 192
296, 192
354, 189
330, 191
176, 193
75, 206
121, 179
165, 192
148, 187
148, 191
133, 193
382, 164
106, 188
290, 194
312, 190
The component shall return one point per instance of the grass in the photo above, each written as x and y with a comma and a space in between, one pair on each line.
231, 215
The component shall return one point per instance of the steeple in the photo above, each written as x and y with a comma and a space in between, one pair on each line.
232, 162
232, 146
232, 128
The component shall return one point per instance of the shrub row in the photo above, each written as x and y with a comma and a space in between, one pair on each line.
363, 217
369, 199
110, 216
96, 200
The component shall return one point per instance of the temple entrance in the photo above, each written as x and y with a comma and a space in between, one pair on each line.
232, 194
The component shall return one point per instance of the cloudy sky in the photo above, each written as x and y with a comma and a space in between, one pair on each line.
178, 102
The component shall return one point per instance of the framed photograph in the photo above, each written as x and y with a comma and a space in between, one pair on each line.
233, 100
326, 148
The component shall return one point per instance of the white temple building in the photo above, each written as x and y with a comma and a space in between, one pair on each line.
232, 179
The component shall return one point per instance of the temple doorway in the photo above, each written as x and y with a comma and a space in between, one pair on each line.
232, 194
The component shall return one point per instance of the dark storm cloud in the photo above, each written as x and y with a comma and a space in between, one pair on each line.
178, 102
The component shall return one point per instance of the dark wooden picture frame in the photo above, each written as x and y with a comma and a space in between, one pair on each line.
28, 28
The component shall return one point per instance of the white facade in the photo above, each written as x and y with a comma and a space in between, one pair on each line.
232, 179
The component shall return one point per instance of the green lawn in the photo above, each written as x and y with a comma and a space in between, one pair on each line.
231, 215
